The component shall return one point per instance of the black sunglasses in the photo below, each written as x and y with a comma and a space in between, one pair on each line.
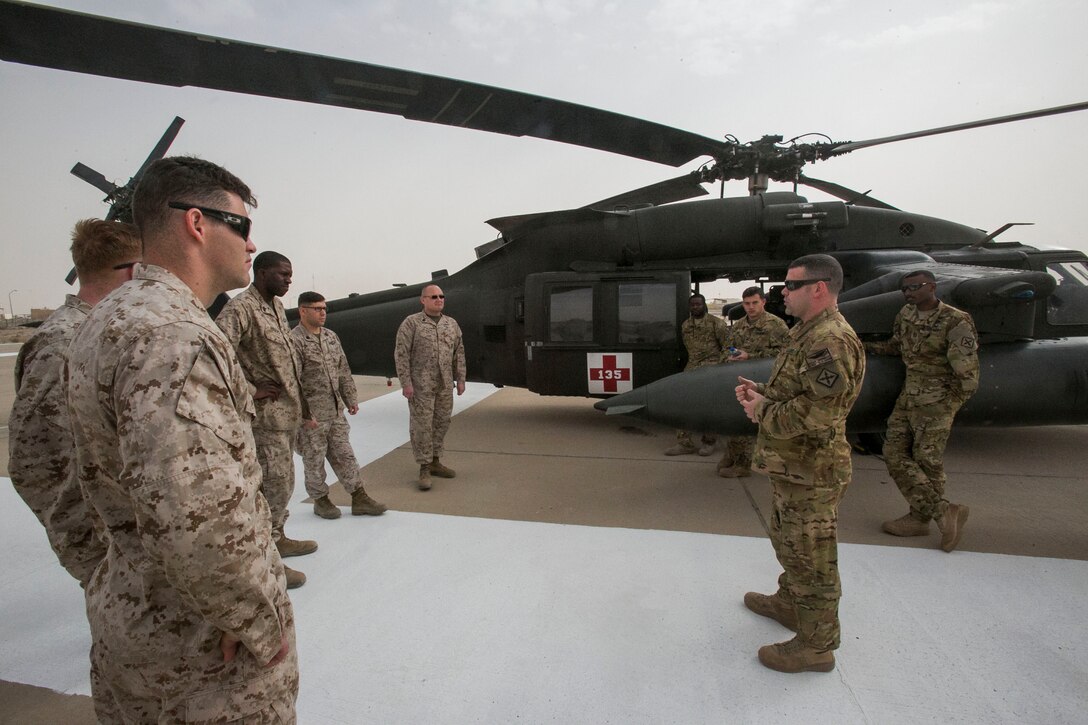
319, 309
913, 287
437, 297
125, 265
795, 284
237, 222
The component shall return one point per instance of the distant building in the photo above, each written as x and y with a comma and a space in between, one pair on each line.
40, 313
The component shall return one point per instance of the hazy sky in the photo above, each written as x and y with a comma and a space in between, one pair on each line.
360, 201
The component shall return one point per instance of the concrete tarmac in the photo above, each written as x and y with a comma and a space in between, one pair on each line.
522, 457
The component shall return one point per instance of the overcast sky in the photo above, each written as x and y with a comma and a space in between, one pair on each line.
360, 201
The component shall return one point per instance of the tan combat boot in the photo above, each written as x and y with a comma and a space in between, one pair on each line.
325, 508
951, 525
363, 505
796, 656
725, 462
424, 477
680, 450
771, 605
293, 547
437, 469
706, 449
906, 526
735, 472
295, 579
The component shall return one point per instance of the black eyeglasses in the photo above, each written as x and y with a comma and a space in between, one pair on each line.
795, 284
913, 287
437, 297
125, 265
237, 222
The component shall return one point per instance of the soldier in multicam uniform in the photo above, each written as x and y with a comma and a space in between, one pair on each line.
329, 389
939, 347
189, 614
801, 412
429, 355
707, 340
758, 334
256, 325
42, 452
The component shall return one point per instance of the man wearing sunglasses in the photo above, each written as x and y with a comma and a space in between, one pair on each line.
430, 360
189, 613
42, 453
939, 347
329, 390
801, 412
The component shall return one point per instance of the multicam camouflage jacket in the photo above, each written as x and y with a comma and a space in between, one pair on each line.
429, 354
262, 338
813, 386
161, 417
327, 384
763, 337
939, 349
41, 450
707, 340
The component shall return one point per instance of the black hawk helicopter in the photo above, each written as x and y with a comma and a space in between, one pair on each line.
588, 301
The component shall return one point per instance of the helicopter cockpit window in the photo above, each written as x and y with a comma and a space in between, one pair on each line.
1068, 305
647, 313
570, 314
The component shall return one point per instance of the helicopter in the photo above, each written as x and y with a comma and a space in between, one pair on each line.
588, 301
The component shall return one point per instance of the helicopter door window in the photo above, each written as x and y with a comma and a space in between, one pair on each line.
647, 313
570, 314
1068, 305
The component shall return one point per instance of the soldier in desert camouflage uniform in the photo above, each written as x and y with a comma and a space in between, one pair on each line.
706, 339
328, 388
939, 347
801, 412
429, 356
41, 451
256, 325
189, 614
758, 334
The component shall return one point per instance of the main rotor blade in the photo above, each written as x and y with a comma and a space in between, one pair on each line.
855, 145
848, 195
84, 43
93, 178
160, 148
683, 187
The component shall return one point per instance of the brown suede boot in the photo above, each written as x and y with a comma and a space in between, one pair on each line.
325, 508
295, 579
906, 526
293, 547
951, 525
437, 469
796, 656
771, 605
363, 505
424, 477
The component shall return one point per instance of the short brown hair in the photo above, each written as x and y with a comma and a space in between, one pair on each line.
186, 179
98, 245
822, 265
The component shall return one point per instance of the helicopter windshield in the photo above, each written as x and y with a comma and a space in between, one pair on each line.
1068, 305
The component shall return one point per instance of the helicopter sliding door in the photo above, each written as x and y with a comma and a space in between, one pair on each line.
596, 334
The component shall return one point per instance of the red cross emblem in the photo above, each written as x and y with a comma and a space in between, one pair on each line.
609, 374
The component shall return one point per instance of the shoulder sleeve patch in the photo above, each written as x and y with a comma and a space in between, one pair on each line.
816, 358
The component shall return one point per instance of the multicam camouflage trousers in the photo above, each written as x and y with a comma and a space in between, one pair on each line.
684, 438
195, 688
430, 411
274, 451
328, 440
914, 454
739, 450
804, 532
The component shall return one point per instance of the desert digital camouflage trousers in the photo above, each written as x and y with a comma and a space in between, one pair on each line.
274, 451
804, 532
914, 454
330, 439
430, 419
195, 688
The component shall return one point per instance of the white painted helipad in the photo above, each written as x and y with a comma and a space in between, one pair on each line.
412, 618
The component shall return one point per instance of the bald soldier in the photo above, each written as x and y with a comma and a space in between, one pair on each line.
801, 413
430, 360
256, 324
41, 450
759, 334
939, 347
189, 615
